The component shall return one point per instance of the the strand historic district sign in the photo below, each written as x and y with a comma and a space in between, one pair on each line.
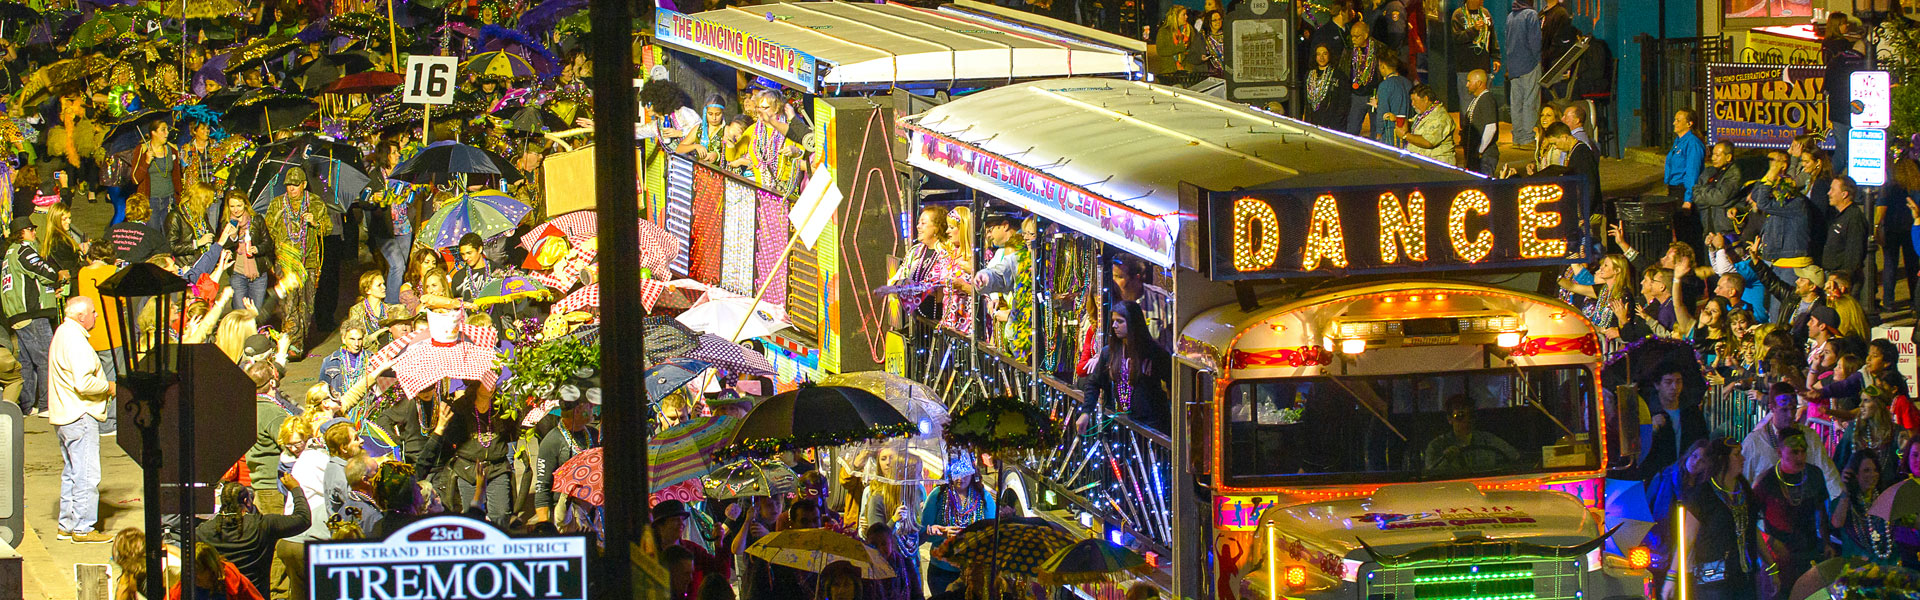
449, 558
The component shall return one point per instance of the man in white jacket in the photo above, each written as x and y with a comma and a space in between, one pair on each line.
77, 393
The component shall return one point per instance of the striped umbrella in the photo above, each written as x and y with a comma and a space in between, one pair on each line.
730, 357
486, 213
498, 63
685, 451
1090, 561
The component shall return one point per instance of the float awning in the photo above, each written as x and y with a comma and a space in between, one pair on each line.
833, 46
1107, 157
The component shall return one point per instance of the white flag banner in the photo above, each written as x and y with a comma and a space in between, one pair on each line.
814, 209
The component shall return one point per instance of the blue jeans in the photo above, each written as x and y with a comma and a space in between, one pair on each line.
1357, 111
1523, 97
80, 478
158, 218
30, 345
112, 423
244, 287
395, 250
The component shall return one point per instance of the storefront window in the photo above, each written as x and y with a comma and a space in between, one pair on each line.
1756, 9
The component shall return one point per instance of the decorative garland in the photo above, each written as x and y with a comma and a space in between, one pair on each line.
979, 427
766, 447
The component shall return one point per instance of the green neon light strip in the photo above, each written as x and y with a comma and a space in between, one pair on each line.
1481, 576
1525, 596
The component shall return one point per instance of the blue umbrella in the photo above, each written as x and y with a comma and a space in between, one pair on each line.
671, 375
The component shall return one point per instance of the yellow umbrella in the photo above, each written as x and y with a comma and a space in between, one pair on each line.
813, 549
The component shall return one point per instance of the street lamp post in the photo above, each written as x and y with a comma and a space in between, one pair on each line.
148, 362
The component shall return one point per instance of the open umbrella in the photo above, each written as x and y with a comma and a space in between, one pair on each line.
668, 339
371, 82
440, 161
729, 356
816, 415
265, 112
1011, 548
486, 213
498, 63
321, 72
724, 317
1814, 584
531, 118
128, 132
90, 72
418, 362
105, 28
582, 477
747, 478
919, 403
812, 550
668, 376
1902, 499
684, 452
202, 9
1090, 561
260, 51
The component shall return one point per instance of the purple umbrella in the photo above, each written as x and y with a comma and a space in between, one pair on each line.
730, 357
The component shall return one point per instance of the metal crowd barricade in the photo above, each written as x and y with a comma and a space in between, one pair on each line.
1731, 413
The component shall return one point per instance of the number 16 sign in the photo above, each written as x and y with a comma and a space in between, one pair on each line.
430, 79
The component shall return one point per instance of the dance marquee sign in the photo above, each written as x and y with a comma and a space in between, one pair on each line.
449, 557
1270, 234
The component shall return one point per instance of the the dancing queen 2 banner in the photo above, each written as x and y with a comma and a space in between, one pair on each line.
1765, 106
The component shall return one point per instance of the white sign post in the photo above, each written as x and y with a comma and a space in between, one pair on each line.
430, 80
449, 557
1870, 102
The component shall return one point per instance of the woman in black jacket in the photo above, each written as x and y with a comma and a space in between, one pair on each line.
246, 537
1133, 371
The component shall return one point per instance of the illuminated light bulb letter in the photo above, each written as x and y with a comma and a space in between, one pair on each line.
1474, 250
1325, 239
1250, 254
1532, 220
1405, 225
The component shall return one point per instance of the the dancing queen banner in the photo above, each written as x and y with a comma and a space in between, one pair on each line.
1765, 106
744, 49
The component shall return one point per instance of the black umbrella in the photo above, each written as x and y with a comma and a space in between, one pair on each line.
223, 99
814, 416
314, 75
262, 170
1646, 360
440, 161
268, 112
531, 118
129, 132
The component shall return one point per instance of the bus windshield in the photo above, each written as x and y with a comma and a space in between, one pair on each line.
1410, 427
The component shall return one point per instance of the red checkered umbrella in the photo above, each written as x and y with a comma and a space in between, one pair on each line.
657, 247
729, 356
587, 296
581, 477
420, 363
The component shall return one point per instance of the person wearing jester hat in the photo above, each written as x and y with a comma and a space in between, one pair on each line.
297, 220
950, 508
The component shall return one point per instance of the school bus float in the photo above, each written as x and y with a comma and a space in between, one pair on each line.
1325, 297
